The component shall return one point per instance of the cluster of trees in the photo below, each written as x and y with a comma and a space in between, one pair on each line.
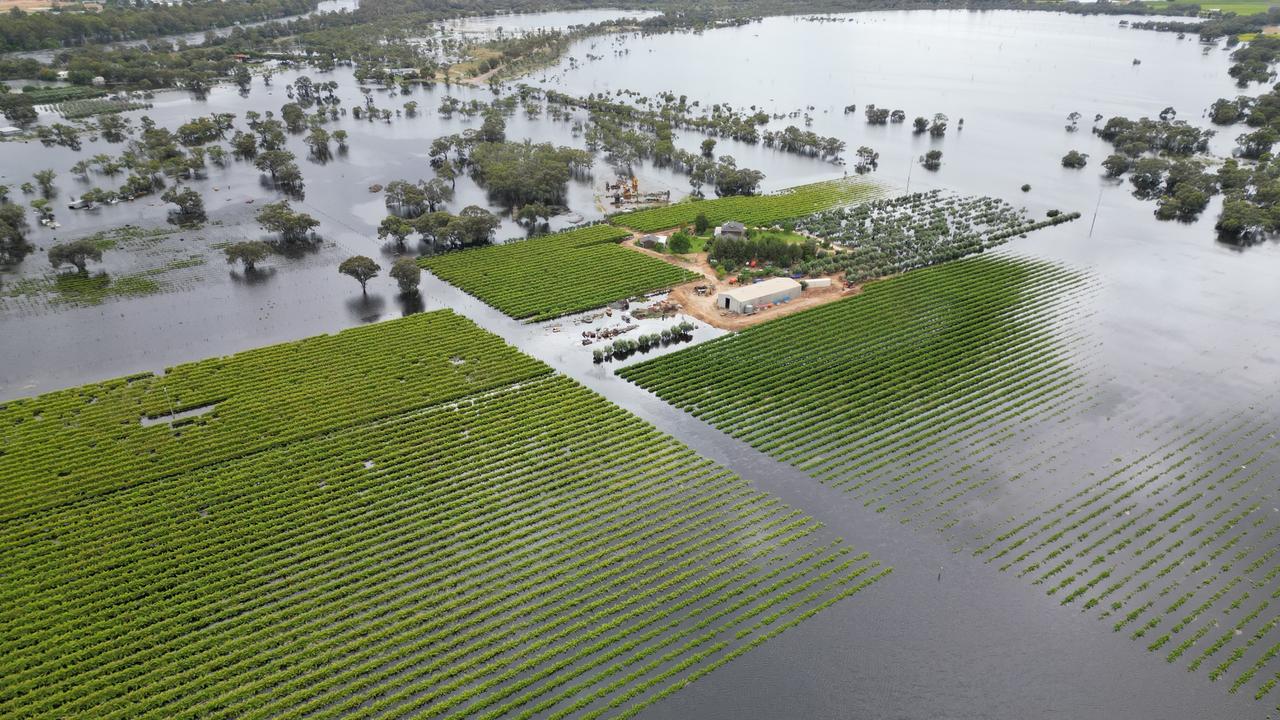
362, 269
761, 247
1075, 159
117, 22
1173, 137
805, 142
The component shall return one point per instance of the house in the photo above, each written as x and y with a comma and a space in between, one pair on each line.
732, 229
748, 298
651, 241
10, 131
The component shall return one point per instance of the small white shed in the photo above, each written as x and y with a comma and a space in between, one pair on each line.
749, 297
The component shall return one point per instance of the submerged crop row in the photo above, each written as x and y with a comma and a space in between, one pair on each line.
753, 210
1176, 548
520, 549
896, 394
558, 274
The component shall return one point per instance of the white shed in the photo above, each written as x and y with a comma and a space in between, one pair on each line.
749, 297
818, 283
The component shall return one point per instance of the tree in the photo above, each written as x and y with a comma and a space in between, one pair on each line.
361, 268
701, 224
1257, 143
242, 77
13, 234
1147, 176
244, 145
340, 137
318, 141
493, 129
1116, 165
473, 226
1240, 220
530, 214
919, 125
397, 228
295, 118
938, 127
279, 217
708, 147
435, 193
77, 253
868, 160
679, 242
273, 161
44, 178
190, 205
1075, 159
250, 253
931, 160
407, 275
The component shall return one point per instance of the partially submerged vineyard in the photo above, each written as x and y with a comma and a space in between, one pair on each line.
891, 236
957, 397
406, 519
558, 274
754, 210
900, 395
1175, 547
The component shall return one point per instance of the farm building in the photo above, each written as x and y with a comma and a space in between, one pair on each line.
732, 229
818, 283
749, 297
651, 241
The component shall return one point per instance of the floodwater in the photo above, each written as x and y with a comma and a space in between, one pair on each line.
1179, 326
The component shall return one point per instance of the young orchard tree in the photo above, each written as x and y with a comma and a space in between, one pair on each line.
361, 268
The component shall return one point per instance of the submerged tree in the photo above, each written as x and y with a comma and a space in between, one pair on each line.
249, 253
931, 160
1075, 159
77, 253
361, 268
407, 275
279, 217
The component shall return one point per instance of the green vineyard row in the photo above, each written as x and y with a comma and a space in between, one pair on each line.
517, 547
753, 210
558, 274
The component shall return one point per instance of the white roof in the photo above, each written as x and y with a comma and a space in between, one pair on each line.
749, 293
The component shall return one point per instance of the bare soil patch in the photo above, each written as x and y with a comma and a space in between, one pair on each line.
703, 306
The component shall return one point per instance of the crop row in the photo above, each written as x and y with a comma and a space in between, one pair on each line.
755, 210
525, 549
1176, 548
558, 274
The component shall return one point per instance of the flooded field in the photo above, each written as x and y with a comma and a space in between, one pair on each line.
1176, 332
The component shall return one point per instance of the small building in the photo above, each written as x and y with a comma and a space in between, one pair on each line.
818, 283
650, 242
64, 74
98, 81
748, 298
10, 131
732, 229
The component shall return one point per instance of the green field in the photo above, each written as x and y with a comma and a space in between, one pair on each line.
753, 210
558, 274
446, 529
